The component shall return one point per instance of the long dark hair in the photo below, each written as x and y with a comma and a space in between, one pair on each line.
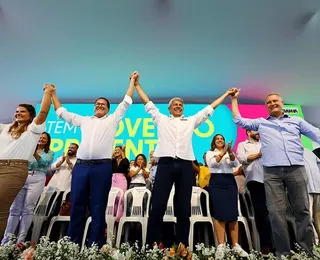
213, 145
17, 130
47, 146
144, 160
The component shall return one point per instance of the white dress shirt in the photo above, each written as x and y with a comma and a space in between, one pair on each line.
97, 134
23, 147
224, 166
175, 133
61, 179
253, 170
138, 178
312, 164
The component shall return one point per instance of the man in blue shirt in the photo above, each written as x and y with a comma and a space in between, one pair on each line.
284, 171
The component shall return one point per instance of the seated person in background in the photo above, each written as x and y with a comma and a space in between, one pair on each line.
312, 163
62, 168
138, 172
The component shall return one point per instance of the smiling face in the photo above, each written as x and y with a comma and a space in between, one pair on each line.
22, 115
274, 105
43, 141
141, 161
176, 108
72, 150
219, 142
101, 108
117, 151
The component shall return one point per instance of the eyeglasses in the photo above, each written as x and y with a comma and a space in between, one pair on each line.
100, 104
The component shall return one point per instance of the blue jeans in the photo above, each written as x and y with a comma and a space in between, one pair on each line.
281, 182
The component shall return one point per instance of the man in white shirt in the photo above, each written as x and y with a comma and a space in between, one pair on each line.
249, 155
175, 155
63, 167
92, 173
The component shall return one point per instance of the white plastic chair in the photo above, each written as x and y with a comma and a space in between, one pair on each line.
59, 218
244, 221
111, 215
246, 199
43, 210
138, 213
169, 214
197, 214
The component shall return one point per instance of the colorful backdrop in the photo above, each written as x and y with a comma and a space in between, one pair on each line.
137, 131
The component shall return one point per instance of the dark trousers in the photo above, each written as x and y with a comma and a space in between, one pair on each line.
90, 184
171, 171
293, 179
259, 202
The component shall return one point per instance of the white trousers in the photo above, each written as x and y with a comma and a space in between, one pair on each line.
21, 210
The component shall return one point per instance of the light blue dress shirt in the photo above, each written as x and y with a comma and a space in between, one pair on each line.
43, 165
280, 138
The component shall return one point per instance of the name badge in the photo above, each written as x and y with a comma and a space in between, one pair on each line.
183, 119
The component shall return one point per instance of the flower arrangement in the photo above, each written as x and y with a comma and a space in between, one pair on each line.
64, 249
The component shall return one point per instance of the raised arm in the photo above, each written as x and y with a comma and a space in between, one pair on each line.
61, 112
205, 113
143, 96
219, 100
45, 104
234, 103
246, 123
133, 79
149, 106
55, 101
126, 102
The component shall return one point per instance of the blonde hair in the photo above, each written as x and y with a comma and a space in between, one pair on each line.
273, 94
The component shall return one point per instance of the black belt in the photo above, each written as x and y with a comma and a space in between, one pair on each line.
170, 158
93, 162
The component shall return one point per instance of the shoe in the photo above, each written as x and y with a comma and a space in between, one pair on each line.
237, 250
220, 252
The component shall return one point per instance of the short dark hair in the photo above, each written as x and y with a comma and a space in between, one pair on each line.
75, 145
108, 103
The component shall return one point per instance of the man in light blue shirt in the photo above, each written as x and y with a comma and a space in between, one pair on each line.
284, 170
